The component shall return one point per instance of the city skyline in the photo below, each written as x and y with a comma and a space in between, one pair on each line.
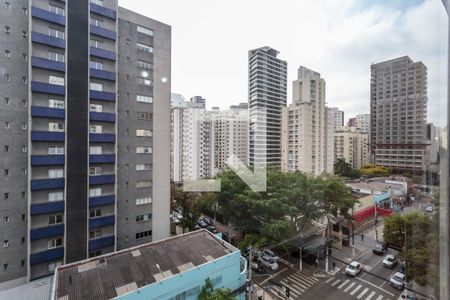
329, 29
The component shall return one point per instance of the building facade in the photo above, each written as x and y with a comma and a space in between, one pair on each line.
78, 131
398, 104
363, 123
352, 145
267, 89
338, 117
308, 127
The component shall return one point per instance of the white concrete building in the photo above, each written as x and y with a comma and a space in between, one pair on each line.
338, 117
352, 145
363, 122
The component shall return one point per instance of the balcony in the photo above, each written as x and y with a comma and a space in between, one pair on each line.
102, 158
101, 116
102, 200
47, 160
45, 39
103, 32
101, 53
48, 255
45, 232
45, 208
102, 179
47, 88
100, 74
46, 15
47, 64
47, 184
105, 96
102, 137
101, 242
47, 136
103, 11
102, 221
47, 112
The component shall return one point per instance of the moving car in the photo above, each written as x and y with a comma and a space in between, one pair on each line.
268, 262
268, 252
380, 248
397, 280
353, 269
389, 261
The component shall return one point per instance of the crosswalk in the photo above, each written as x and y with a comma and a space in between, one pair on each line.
297, 283
355, 289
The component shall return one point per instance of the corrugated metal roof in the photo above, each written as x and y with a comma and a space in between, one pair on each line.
36, 290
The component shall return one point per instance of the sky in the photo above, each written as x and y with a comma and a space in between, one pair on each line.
337, 38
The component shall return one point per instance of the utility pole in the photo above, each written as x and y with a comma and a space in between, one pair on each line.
250, 278
301, 253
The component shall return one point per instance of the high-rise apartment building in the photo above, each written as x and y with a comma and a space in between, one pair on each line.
398, 104
338, 117
267, 89
363, 122
352, 145
199, 100
84, 133
352, 122
308, 127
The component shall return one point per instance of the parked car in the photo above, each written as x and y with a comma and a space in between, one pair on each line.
268, 262
256, 267
208, 221
353, 269
270, 253
212, 229
429, 209
409, 295
202, 223
379, 249
397, 280
389, 261
402, 268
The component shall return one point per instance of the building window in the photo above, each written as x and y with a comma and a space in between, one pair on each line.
24, 33
56, 33
142, 201
96, 107
54, 243
97, 2
96, 150
7, 101
23, 194
6, 220
6, 172
53, 265
56, 80
95, 170
55, 56
144, 116
6, 196
24, 149
55, 196
143, 218
143, 183
143, 81
95, 253
22, 240
145, 30
6, 148
5, 244
56, 219
144, 65
95, 128
143, 132
22, 263
144, 234
24, 56
145, 99
25, 11
56, 9
53, 103
95, 212
96, 65
96, 86
97, 22
7, 53
143, 167
7, 6
95, 233
95, 192
55, 150
7, 77
7, 29
97, 44
143, 150
24, 102
7, 125
24, 126
24, 217
23, 172
56, 127
55, 173
5, 267
145, 48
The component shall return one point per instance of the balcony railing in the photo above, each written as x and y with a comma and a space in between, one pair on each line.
102, 137
106, 96
102, 158
101, 116
49, 255
101, 53
43, 63
103, 32
47, 88
102, 179
102, 200
45, 232
101, 74
46, 39
47, 136
47, 16
47, 112
101, 221
47, 160
101, 242
103, 11
45, 208
47, 184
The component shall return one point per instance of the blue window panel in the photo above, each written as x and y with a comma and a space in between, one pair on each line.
100, 74
47, 160
47, 136
101, 221
43, 63
101, 116
45, 208
103, 32
106, 12
47, 16
45, 39
102, 137
101, 242
47, 88
47, 112
106, 96
102, 158
48, 255
47, 184
45, 232
102, 179
102, 200
106, 54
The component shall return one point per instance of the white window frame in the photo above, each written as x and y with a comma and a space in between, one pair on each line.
95, 150
97, 22
56, 33
96, 65
144, 47
96, 43
143, 167
94, 86
95, 171
55, 103
55, 196
144, 30
95, 192
142, 201
55, 173
144, 99
96, 107
53, 243
56, 56
56, 127
56, 9
97, 2
56, 80
55, 150
95, 128
144, 132
144, 150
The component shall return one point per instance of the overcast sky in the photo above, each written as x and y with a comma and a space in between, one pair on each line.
338, 38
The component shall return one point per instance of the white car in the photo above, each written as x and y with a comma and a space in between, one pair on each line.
269, 262
353, 269
429, 209
389, 261
268, 252
397, 280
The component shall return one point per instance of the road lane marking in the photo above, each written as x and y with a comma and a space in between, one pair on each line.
371, 295
380, 260
298, 282
292, 286
272, 276
342, 284
313, 279
329, 280
303, 278
375, 286
356, 289
380, 297
349, 287
363, 293
336, 282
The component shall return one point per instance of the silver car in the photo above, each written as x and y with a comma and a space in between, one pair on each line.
397, 280
269, 262
389, 261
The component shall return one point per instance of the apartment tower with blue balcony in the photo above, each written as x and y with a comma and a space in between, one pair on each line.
85, 128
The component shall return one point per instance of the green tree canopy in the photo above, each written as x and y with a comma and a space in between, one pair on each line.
371, 170
209, 293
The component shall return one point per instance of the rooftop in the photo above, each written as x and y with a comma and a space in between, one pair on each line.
375, 186
115, 274
37, 290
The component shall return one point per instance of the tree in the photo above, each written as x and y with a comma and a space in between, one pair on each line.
186, 203
344, 169
371, 170
209, 293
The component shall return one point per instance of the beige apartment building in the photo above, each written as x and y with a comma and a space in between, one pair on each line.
352, 145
